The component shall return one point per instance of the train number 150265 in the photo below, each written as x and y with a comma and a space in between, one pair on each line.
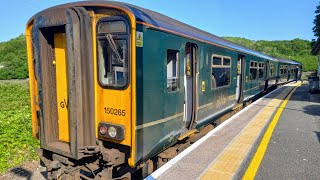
114, 111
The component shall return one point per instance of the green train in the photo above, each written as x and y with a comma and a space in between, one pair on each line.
113, 86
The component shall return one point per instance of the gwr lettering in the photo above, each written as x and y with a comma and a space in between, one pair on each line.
114, 111
64, 104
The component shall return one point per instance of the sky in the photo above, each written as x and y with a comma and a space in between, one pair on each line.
251, 19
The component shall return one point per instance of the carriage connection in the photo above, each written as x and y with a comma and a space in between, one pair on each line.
113, 85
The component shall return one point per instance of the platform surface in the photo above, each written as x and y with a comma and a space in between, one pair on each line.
294, 149
228, 151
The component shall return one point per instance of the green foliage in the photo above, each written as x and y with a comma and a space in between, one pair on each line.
296, 49
13, 57
316, 22
16, 141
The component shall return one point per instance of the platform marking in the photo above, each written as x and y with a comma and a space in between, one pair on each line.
256, 161
226, 165
173, 161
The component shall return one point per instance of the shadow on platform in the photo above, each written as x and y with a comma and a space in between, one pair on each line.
21, 172
313, 110
318, 135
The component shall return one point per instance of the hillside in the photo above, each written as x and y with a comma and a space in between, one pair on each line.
296, 49
13, 59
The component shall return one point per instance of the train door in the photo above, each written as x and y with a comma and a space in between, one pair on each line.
64, 73
190, 84
296, 70
266, 74
288, 72
240, 75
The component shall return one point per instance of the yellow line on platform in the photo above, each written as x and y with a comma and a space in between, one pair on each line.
256, 161
228, 162
226, 165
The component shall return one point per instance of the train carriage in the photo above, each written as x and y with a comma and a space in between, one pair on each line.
288, 70
257, 76
113, 85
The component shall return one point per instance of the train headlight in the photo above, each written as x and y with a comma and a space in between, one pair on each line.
103, 129
111, 131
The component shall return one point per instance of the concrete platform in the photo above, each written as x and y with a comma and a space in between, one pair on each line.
294, 149
231, 150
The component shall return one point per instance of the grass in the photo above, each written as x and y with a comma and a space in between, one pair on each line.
16, 142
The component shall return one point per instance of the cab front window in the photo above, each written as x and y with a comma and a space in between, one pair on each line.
113, 52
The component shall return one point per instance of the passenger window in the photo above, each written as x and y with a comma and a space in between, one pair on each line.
261, 70
220, 71
113, 54
253, 70
217, 61
226, 62
172, 70
271, 70
285, 70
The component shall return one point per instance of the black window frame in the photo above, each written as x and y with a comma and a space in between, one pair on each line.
222, 58
178, 70
285, 69
261, 68
271, 70
120, 36
255, 66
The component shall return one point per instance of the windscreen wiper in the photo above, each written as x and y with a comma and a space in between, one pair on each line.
114, 47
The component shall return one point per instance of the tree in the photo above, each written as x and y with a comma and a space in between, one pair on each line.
316, 22
296, 49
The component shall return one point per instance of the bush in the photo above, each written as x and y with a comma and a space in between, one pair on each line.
16, 142
297, 49
13, 56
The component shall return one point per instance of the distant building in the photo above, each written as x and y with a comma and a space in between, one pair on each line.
316, 51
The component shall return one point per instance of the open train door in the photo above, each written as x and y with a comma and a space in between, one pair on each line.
190, 84
240, 78
266, 74
62, 45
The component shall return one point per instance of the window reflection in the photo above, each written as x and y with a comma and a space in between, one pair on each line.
113, 61
220, 71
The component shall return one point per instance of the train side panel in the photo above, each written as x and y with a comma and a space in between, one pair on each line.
216, 94
159, 112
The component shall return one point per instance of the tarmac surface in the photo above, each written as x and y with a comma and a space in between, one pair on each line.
294, 149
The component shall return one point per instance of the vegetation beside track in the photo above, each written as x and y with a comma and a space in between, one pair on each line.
13, 59
296, 49
16, 142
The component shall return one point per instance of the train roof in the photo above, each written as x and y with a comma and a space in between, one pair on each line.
288, 61
164, 22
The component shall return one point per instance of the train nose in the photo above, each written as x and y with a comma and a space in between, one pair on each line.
64, 74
